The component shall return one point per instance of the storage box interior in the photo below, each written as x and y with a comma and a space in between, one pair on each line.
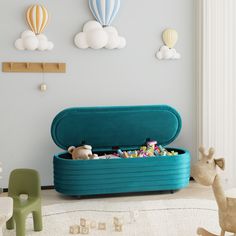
67, 155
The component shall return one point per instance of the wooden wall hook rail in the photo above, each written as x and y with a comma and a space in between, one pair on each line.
34, 67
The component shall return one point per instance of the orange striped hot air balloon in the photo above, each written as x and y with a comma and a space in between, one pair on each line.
37, 18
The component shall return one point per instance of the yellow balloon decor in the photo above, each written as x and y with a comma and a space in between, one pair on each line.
170, 37
37, 18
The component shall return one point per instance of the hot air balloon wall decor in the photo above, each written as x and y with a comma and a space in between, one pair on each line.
33, 39
167, 51
99, 33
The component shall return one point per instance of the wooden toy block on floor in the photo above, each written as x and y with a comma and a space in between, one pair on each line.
84, 230
118, 228
101, 226
83, 222
74, 229
116, 221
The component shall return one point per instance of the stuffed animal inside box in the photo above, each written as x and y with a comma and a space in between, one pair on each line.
108, 129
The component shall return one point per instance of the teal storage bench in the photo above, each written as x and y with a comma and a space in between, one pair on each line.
107, 129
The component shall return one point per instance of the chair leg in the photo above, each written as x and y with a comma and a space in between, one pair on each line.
10, 223
20, 225
222, 233
37, 217
0, 230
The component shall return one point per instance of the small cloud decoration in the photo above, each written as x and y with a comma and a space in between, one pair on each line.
99, 33
34, 39
167, 51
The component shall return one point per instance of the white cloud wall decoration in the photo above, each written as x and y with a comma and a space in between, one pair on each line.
37, 19
96, 37
167, 51
99, 33
30, 41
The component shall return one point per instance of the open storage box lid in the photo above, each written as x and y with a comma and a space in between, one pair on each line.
108, 127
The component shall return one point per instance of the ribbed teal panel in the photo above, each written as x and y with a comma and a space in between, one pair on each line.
123, 175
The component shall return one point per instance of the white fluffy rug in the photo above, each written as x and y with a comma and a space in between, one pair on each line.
149, 218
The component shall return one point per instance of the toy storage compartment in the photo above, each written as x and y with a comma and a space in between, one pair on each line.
79, 177
109, 128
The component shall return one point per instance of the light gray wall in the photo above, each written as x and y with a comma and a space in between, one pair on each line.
126, 77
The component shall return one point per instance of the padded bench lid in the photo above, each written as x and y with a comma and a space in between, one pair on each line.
122, 126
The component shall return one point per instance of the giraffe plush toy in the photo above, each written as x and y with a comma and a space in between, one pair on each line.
205, 173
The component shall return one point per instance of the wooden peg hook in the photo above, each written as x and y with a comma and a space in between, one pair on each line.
43, 66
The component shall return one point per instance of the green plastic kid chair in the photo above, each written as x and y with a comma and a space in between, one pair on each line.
25, 181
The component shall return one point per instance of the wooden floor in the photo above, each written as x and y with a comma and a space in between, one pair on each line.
193, 191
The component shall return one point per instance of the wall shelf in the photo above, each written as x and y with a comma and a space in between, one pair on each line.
33, 67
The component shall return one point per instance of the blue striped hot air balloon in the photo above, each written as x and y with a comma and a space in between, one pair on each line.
104, 11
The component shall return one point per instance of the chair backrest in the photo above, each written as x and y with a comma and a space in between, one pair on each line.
24, 181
